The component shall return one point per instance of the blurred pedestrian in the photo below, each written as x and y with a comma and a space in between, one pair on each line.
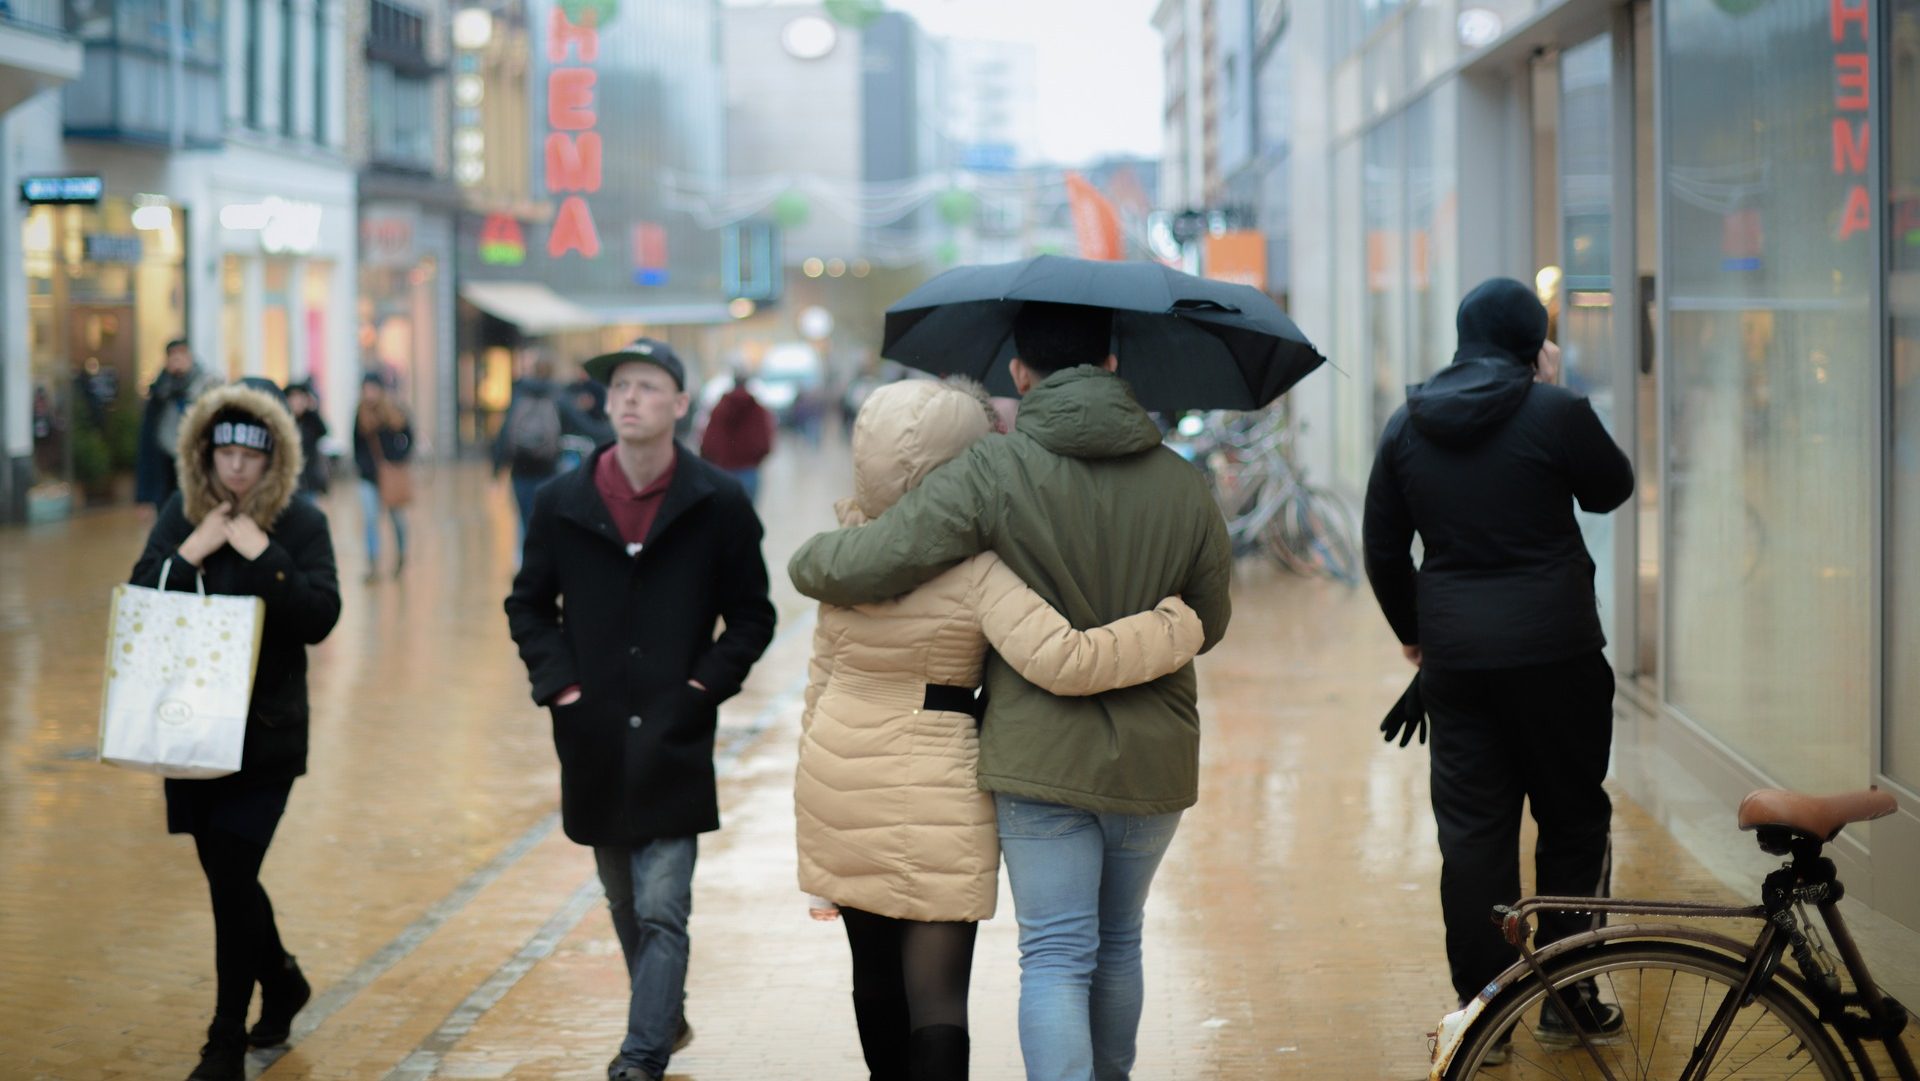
181, 382
382, 447
315, 478
894, 832
1086, 506
528, 446
593, 430
739, 435
1486, 463
646, 548
235, 526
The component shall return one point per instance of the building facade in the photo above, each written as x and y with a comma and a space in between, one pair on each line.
1720, 204
400, 92
225, 215
620, 105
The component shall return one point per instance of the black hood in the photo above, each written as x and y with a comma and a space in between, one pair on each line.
1469, 400
1502, 315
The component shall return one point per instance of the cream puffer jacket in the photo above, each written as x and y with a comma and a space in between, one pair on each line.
890, 818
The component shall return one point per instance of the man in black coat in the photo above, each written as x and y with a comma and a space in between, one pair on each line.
1486, 462
630, 562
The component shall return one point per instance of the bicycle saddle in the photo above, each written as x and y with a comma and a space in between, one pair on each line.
1818, 816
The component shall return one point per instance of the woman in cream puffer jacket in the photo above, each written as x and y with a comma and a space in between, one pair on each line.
892, 826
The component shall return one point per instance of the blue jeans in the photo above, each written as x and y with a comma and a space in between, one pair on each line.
750, 480
650, 893
524, 489
370, 510
1080, 882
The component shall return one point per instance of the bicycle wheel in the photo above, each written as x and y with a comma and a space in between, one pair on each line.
1667, 994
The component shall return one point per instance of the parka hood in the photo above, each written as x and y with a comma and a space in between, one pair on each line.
1469, 400
195, 455
1087, 413
907, 430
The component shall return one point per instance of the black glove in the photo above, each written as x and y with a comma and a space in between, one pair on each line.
1408, 716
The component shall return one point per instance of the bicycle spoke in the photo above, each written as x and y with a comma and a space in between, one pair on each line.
1632, 1044
1784, 1037
1653, 1044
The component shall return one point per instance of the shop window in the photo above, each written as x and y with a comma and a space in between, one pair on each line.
1770, 353
1900, 757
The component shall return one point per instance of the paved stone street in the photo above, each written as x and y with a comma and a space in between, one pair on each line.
451, 931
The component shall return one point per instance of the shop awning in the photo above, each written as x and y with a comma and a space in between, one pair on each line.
532, 307
537, 310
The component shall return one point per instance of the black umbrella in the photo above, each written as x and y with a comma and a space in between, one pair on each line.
1183, 342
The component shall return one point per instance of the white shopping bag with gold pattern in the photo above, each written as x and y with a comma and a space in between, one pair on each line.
180, 672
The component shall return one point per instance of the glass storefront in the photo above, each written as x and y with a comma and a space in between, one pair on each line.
273, 317
399, 330
106, 290
1901, 743
1770, 354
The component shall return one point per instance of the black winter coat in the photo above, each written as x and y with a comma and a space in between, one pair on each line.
636, 751
1486, 466
294, 575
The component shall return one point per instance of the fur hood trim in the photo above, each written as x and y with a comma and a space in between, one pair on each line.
195, 458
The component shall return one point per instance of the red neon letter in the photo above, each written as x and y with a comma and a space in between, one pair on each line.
1852, 95
586, 39
573, 162
573, 231
1843, 13
570, 99
1858, 217
1850, 142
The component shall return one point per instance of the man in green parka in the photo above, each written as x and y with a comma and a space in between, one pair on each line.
1084, 502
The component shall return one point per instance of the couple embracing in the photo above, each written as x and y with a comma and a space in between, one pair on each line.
1073, 568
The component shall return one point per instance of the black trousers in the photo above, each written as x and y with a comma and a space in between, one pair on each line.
910, 983
246, 942
1540, 734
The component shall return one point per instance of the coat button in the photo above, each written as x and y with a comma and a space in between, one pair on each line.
633, 651
279, 576
633, 721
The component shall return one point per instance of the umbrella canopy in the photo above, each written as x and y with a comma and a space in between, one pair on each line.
1183, 342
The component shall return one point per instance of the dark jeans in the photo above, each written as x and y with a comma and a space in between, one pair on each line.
650, 894
1541, 734
524, 489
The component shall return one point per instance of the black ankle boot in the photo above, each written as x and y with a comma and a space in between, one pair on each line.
938, 1053
283, 992
224, 1058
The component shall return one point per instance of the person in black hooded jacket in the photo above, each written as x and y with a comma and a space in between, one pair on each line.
1486, 462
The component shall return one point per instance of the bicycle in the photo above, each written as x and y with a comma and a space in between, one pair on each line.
1687, 1003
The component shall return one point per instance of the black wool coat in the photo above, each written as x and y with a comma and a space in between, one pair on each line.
295, 576
636, 751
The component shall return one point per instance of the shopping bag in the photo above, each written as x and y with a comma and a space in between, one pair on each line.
179, 678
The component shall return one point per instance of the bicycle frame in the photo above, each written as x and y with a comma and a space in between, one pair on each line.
1780, 933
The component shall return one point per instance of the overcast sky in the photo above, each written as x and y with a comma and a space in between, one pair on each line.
1100, 76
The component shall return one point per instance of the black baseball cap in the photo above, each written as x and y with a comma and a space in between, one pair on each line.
639, 351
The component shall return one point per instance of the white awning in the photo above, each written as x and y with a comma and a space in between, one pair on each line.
537, 310
532, 307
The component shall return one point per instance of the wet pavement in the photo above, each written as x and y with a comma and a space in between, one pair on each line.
451, 931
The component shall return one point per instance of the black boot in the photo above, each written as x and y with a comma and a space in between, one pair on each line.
938, 1053
882, 1021
224, 1058
283, 991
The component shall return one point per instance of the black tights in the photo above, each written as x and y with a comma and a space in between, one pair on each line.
910, 995
246, 944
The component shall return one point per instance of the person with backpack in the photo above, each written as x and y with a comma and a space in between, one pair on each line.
528, 447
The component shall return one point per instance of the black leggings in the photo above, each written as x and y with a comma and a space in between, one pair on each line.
246, 944
910, 994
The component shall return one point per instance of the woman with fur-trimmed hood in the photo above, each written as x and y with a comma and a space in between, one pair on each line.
237, 526
894, 832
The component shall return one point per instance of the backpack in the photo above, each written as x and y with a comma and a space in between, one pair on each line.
533, 433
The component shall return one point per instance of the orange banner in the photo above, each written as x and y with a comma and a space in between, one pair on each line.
1238, 257
1095, 222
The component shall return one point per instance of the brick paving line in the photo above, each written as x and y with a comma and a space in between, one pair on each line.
426, 1057
336, 997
